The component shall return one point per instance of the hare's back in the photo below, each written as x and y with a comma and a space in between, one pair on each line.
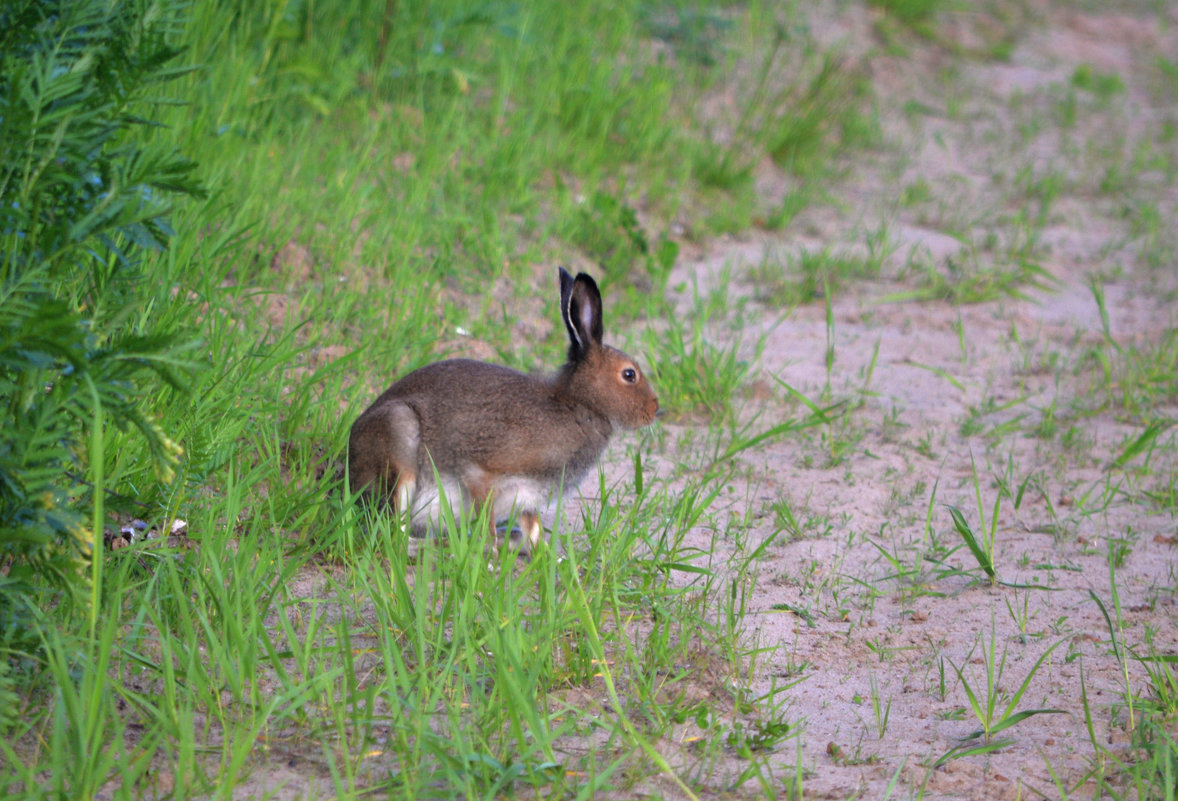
460, 381
476, 417
461, 399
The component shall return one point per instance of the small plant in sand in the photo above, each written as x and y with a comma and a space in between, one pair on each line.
994, 708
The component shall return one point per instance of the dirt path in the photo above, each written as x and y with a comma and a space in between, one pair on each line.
1060, 156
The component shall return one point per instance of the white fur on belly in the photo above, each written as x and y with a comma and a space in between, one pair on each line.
518, 494
427, 504
512, 494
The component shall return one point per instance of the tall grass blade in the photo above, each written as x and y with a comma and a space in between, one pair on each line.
1142, 443
971, 542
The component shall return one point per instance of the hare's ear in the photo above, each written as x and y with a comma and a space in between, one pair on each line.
580, 307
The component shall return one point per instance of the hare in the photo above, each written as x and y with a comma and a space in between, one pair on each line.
491, 435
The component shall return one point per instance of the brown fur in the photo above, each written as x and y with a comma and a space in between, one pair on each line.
493, 429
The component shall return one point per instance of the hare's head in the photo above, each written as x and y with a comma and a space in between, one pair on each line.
603, 378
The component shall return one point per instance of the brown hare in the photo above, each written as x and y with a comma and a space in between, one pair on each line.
497, 436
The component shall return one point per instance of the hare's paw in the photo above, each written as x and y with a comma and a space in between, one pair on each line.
525, 535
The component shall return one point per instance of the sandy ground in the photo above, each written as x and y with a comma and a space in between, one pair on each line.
1010, 383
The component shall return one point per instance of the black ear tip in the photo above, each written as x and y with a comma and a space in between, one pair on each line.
587, 280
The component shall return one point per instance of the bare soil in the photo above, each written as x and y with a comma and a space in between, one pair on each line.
1011, 385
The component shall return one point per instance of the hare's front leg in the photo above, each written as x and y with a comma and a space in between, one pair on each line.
526, 536
523, 536
529, 523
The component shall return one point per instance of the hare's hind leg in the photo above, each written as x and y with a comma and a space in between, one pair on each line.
383, 454
401, 468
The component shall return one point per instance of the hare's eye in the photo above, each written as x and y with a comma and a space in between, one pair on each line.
629, 375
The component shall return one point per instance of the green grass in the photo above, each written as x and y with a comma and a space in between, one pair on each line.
456, 670
812, 275
390, 183
375, 171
